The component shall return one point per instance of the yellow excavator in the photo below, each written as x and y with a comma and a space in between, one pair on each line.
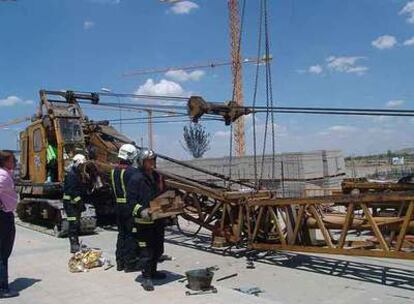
56, 133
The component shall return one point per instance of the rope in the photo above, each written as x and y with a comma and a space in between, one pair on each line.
269, 87
256, 81
267, 107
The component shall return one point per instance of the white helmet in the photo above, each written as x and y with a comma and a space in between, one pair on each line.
146, 154
78, 159
128, 152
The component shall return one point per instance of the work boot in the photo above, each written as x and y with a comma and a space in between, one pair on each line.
158, 275
147, 285
74, 244
120, 267
7, 293
164, 257
132, 267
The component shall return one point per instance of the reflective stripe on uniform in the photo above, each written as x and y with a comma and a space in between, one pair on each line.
121, 199
77, 199
143, 221
67, 197
113, 181
122, 182
136, 208
71, 218
142, 244
134, 230
51, 153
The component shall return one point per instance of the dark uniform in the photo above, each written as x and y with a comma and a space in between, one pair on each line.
74, 199
126, 247
150, 234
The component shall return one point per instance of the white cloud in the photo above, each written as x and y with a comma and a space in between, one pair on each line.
408, 10
342, 129
222, 134
279, 129
315, 69
183, 7
384, 42
162, 88
346, 65
87, 25
13, 101
395, 103
409, 42
181, 75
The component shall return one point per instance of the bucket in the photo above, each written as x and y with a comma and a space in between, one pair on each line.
199, 279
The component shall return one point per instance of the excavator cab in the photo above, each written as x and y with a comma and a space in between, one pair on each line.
48, 145
54, 136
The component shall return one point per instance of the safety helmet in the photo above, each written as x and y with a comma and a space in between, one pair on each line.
128, 152
78, 159
146, 154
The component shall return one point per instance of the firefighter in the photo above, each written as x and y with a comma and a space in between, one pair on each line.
144, 187
126, 247
74, 195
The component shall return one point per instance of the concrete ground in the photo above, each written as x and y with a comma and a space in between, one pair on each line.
38, 269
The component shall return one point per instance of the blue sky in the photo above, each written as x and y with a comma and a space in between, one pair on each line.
326, 53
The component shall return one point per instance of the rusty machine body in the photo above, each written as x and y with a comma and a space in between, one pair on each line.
61, 125
363, 218
371, 222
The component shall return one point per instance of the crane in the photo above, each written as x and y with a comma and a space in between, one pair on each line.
236, 68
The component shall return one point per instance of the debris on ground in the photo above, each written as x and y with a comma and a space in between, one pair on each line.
227, 277
255, 291
88, 258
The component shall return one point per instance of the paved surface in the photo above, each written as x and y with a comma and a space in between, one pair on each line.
38, 268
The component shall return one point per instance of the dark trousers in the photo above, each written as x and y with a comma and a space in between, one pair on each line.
7, 234
126, 245
73, 212
151, 247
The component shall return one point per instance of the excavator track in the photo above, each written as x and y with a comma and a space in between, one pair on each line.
48, 216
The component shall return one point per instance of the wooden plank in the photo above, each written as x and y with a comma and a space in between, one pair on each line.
354, 252
394, 231
404, 226
321, 225
258, 220
277, 225
348, 220
405, 197
223, 216
288, 222
216, 207
236, 195
240, 221
248, 222
299, 218
375, 228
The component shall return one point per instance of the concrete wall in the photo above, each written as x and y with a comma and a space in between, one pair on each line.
287, 166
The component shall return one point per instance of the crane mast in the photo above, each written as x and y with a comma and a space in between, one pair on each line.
236, 68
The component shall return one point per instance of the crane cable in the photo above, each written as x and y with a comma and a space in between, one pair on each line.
268, 88
256, 83
269, 85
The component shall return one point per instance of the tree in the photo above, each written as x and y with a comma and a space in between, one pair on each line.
196, 139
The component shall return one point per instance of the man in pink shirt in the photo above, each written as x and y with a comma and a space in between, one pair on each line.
8, 202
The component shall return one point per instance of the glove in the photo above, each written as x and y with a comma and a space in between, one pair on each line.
145, 214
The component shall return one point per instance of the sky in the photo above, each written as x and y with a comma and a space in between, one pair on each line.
330, 53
